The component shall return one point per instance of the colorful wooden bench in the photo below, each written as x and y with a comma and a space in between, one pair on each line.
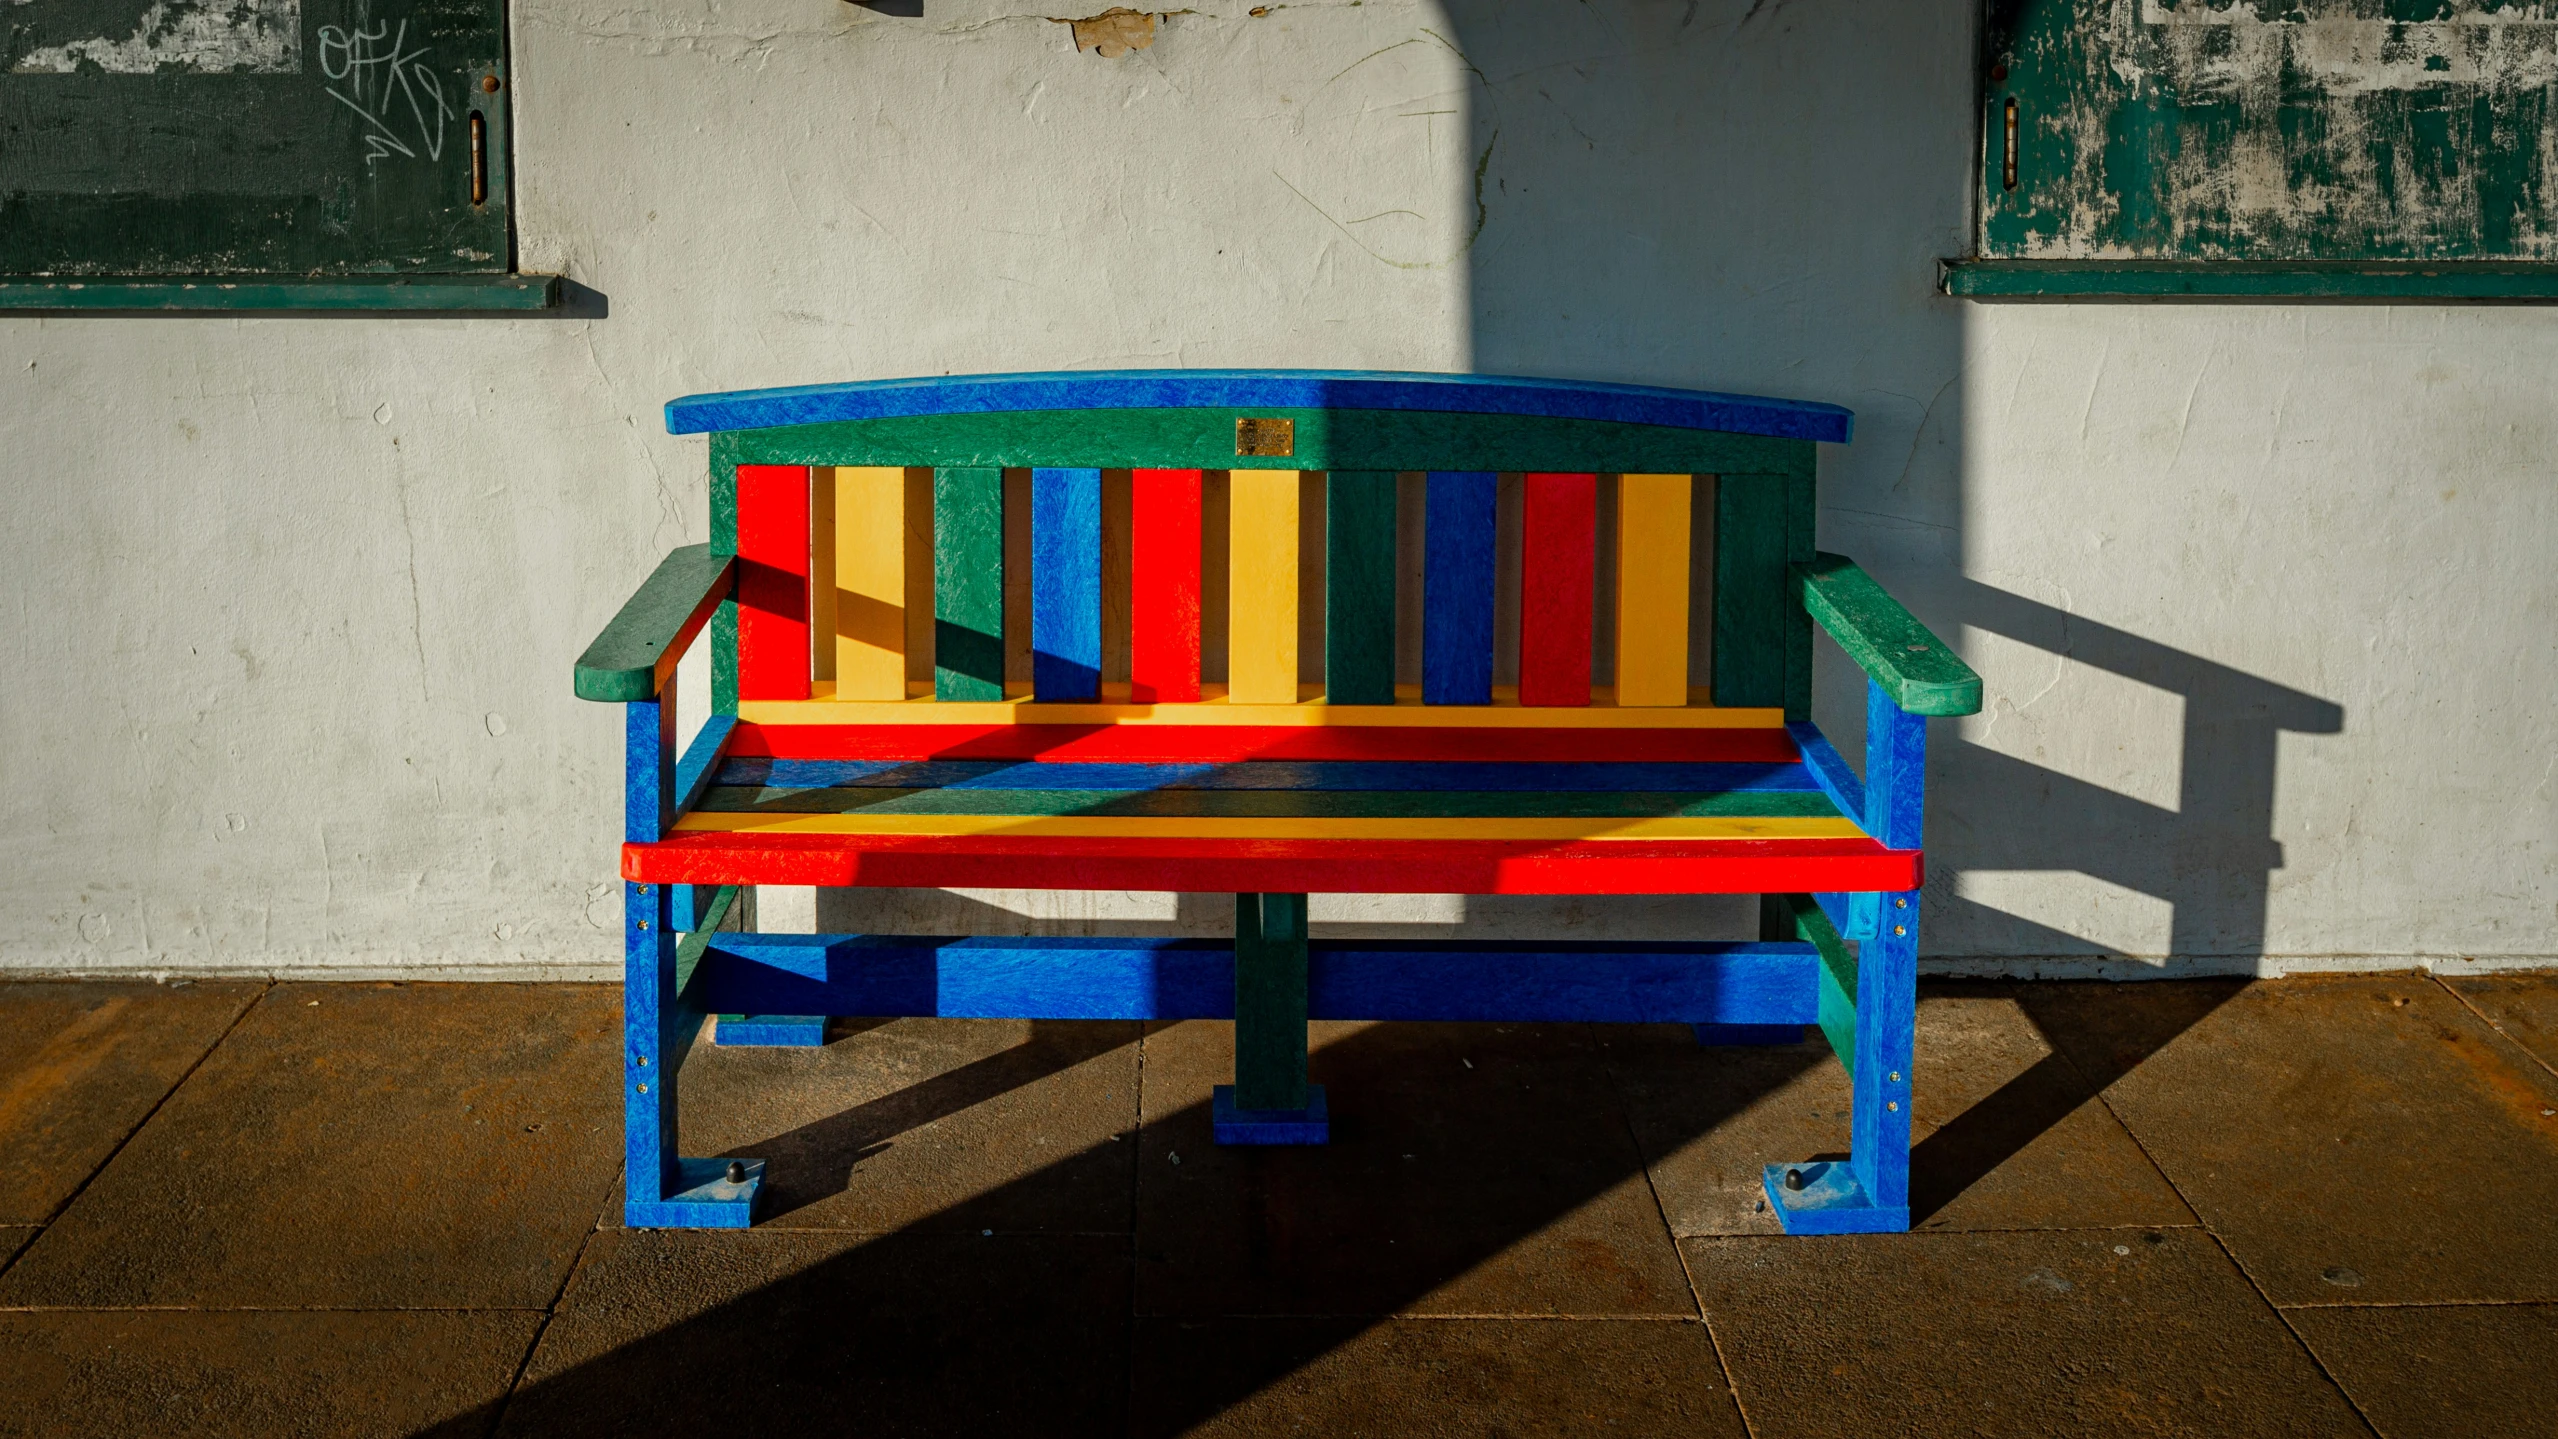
837, 510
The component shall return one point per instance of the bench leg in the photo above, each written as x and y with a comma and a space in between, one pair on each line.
661, 1190
1868, 1193
1270, 1101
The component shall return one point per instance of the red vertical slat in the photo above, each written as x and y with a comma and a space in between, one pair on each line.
1163, 586
1559, 526
772, 582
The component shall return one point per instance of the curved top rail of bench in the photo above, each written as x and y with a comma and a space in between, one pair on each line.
1259, 389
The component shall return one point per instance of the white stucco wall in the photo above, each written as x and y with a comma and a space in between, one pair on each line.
2259, 592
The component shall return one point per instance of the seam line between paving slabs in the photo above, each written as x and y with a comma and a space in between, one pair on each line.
2488, 1020
2316, 1361
1678, 1250
148, 1115
533, 1346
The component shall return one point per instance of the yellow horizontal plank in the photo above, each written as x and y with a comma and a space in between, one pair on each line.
1162, 827
1505, 712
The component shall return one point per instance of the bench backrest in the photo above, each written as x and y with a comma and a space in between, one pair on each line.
852, 506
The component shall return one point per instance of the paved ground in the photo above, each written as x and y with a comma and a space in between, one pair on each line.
2309, 1207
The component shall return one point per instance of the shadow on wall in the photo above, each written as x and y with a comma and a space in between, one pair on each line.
1751, 196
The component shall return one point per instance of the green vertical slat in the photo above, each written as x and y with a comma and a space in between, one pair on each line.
724, 542
968, 584
1801, 509
1270, 1001
1750, 543
1358, 595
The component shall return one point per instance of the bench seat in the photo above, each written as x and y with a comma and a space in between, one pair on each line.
1120, 796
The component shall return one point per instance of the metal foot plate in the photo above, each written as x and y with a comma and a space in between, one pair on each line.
1310, 1125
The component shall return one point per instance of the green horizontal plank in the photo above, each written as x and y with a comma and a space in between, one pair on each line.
1265, 804
1838, 976
632, 657
383, 294
1324, 440
2248, 280
1923, 675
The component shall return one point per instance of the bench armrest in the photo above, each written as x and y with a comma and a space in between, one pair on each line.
1919, 671
633, 657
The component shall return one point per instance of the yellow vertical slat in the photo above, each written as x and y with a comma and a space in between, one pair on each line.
870, 583
1261, 628
1652, 589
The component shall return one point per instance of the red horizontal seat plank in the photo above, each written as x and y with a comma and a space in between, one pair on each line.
1233, 744
1327, 866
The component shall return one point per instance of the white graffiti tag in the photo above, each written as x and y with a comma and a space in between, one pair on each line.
392, 87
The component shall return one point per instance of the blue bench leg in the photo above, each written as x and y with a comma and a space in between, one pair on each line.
661, 1190
1270, 1101
1869, 1192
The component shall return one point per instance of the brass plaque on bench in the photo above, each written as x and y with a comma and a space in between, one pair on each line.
1265, 437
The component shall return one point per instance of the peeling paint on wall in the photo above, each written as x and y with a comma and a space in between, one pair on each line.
1114, 32
208, 36
2273, 129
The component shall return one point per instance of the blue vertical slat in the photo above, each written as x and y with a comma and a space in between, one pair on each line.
1886, 1017
648, 766
1065, 584
1456, 588
1895, 770
648, 1102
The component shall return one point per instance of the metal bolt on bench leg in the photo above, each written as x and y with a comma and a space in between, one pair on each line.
736, 1171
1794, 1179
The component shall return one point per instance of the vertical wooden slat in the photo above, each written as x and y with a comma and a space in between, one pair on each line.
869, 554
1261, 648
1652, 588
968, 584
1750, 544
723, 630
1163, 586
1065, 584
821, 572
772, 582
919, 576
1456, 587
1559, 534
1358, 596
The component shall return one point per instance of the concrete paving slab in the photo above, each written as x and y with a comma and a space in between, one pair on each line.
2362, 1139
1613, 1377
14, 1239
1473, 1169
2027, 1334
817, 1332
909, 1124
2007, 1135
359, 1146
2524, 1006
81, 1064
431, 1375
2458, 1371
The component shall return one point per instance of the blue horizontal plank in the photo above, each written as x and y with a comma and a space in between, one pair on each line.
1259, 389
1378, 775
1829, 768
882, 975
